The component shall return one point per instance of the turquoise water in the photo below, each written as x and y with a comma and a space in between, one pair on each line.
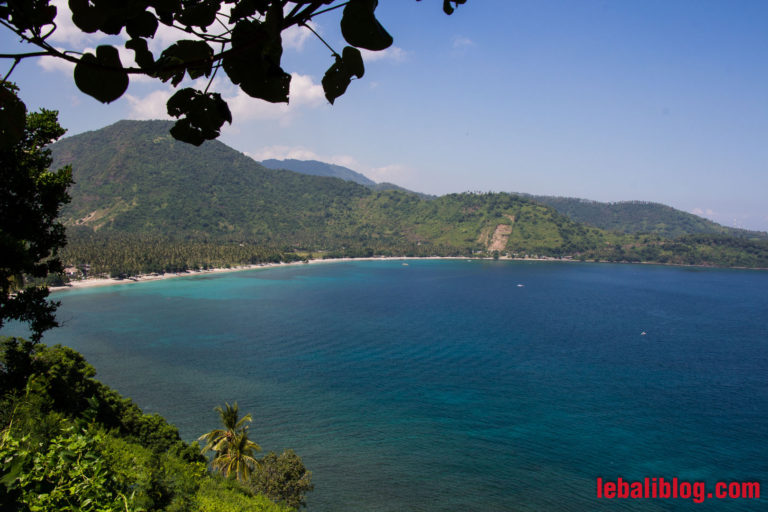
445, 386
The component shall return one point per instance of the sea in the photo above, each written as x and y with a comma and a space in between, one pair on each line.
458, 385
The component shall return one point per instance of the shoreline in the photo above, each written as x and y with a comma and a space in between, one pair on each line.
94, 282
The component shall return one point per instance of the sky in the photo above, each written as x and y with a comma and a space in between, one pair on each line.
610, 100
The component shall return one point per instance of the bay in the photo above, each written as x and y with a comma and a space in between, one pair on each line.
455, 385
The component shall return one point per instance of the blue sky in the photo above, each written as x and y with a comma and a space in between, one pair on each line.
609, 100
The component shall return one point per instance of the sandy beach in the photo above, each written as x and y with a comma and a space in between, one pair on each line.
103, 281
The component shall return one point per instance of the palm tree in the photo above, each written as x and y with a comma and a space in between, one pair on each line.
233, 451
238, 458
217, 439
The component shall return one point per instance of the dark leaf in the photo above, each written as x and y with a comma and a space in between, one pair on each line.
13, 115
339, 75
102, 75
254, 62
143, 56
178, 103
448, 8
193, 57
353, 61
246, 8
87, 17
200, 13
28, 15
165, 9
43, 14
143, 25
184, 132
335, 81
113, 23
360, 27
204, 114
272, 85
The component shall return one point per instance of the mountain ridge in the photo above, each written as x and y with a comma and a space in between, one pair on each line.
633, 216
136, 184
640, 217
318, 168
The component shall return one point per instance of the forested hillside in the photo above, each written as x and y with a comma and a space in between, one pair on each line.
315, 168
133, 178
69, 442
623, 216
144, 202
640, 217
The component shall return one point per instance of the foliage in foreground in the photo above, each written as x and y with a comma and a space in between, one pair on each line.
30, 199
233, 451
282, 478
70, 443
242, 38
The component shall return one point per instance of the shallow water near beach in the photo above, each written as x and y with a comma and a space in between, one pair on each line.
455, 385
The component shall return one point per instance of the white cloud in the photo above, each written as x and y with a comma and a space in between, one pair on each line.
393, 173
164, 37
66, 31
302, 153
56, 65
393, 53
295, 37
304, 93
151, 106
705, 212
69, 34
244, 108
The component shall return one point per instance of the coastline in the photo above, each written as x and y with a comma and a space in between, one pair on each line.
93, 282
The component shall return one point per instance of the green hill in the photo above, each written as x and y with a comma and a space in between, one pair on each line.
315, 168
640, 217
143, 201
637, 217
132, 177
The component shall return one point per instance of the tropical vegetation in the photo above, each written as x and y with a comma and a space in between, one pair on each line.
31, 197
143, 202
233, 451
640, 217
67, 441
70, 443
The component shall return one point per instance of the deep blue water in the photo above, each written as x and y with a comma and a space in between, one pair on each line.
445, 386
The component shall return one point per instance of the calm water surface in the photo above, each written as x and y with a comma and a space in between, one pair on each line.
448, 386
